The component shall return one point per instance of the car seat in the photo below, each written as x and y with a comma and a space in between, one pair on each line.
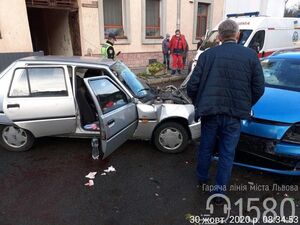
87, 114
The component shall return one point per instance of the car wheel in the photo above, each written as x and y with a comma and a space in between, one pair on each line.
171, 137
15, 138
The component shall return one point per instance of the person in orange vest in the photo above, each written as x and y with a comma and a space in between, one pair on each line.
177, 48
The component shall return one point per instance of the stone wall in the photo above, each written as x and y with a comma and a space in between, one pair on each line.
141, 59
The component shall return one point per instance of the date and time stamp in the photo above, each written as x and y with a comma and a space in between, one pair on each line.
271, 211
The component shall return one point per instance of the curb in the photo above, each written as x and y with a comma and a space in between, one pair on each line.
164, 79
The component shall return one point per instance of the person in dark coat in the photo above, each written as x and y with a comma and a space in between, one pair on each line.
226, 82
166, 51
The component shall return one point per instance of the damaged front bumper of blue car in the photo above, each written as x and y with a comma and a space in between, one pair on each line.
269, 146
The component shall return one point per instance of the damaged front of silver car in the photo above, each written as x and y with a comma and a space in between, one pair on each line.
166, 116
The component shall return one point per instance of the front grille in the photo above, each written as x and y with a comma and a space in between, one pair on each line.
260, 152
256, 144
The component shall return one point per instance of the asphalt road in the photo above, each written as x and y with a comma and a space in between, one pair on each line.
45, 186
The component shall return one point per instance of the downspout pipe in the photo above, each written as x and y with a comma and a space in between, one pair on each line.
178, 14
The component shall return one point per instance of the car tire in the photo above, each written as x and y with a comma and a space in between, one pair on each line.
15, 139
171, 137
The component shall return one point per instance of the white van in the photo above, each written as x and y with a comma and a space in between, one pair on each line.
263, 34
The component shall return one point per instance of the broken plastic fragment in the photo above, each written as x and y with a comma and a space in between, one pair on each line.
156, 194
91, 175
110, 169
90, 183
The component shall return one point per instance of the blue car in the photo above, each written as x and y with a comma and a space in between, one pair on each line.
271, 137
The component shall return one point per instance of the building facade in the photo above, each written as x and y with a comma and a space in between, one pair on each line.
79, 27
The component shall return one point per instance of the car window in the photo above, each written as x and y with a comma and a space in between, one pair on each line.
108, 95
244, 35
130, 80
257, 41
282, 73
47, 82
19, 86
39, 82
213, 40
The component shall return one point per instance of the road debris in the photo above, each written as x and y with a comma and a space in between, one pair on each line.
154, 181
110, 169
103, 174
90, 183
91, 175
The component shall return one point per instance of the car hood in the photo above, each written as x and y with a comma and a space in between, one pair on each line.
278, 105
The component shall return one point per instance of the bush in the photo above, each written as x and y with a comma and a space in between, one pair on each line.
143, 74
154, 68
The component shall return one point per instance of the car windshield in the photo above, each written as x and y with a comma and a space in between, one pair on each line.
128, 78
282, 73
213, 40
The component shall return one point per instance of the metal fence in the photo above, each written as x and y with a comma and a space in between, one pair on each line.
7, 58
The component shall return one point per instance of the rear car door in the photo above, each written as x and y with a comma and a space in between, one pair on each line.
117, 113
40, 100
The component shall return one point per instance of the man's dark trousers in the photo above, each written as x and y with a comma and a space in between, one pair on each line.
227, 129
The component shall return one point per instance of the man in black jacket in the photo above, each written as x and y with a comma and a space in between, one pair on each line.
227, 81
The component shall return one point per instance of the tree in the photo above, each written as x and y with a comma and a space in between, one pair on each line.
291, 12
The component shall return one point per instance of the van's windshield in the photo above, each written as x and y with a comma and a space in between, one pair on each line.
213, 40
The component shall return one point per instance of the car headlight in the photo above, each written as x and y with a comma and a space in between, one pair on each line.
293, 134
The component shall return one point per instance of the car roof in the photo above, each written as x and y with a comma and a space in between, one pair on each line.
286, 54
69, 59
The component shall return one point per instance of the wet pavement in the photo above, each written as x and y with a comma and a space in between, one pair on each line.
45, 186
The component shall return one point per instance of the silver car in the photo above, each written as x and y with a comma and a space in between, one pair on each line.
90, 98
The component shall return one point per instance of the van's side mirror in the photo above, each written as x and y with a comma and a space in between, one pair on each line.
256, 47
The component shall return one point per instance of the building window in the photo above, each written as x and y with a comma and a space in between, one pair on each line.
113, 18
202, 20
153, 19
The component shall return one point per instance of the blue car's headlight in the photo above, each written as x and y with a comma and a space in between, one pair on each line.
293, 134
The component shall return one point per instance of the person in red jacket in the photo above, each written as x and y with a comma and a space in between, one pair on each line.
177, 48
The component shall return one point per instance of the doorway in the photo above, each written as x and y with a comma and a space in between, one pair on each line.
54, 29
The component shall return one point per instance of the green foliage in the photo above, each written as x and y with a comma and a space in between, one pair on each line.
154, 68
143, 74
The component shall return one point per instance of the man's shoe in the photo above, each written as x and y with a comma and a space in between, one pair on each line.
173, 72
179, 72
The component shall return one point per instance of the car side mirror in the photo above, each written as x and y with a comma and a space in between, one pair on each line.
134, 100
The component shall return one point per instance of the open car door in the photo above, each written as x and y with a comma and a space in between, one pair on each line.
117, 113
